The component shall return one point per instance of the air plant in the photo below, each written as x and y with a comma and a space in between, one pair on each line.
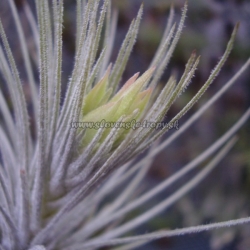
54, 184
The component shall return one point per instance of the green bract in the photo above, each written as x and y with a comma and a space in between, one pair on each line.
128, 104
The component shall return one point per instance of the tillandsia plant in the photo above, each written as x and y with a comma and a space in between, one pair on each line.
56, 180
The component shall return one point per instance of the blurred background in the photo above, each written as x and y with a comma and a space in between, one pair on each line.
225, 192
